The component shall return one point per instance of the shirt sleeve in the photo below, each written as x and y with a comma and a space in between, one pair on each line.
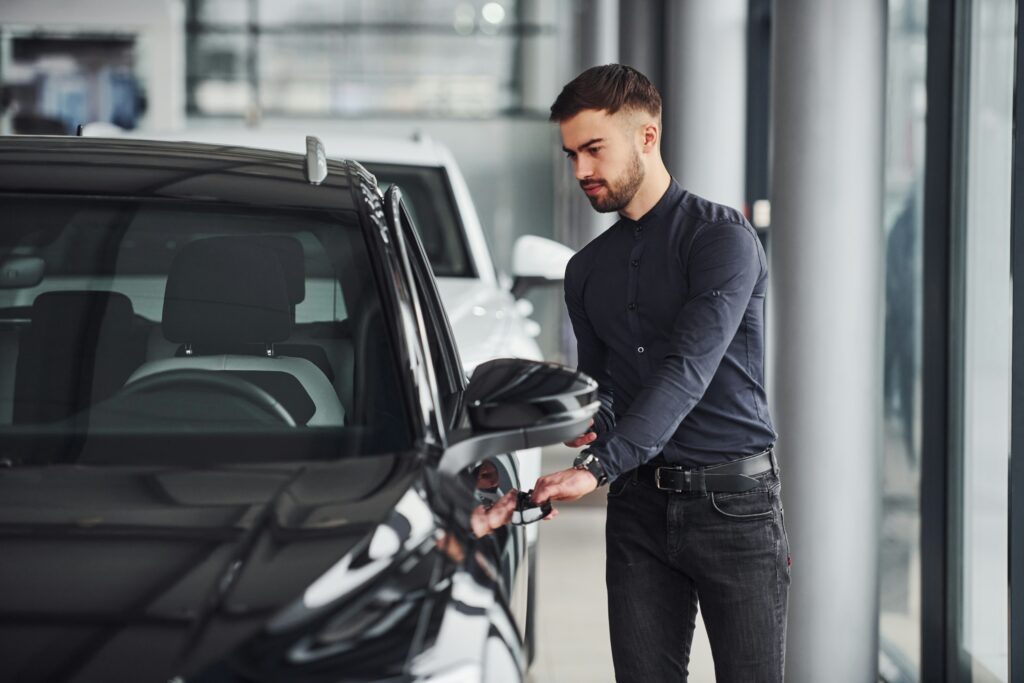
590, 350
724, 266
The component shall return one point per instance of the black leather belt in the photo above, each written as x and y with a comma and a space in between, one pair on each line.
731, 477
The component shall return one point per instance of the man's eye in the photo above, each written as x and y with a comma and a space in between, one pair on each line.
593, 150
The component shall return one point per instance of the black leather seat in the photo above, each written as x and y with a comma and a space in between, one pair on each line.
227, 296
292, 258
79, 349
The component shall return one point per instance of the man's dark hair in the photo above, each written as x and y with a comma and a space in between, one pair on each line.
609, 88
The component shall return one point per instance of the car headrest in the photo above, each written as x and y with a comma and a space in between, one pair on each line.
226, 290
288, 250
61, 312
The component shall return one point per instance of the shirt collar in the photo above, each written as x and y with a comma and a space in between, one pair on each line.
669, 199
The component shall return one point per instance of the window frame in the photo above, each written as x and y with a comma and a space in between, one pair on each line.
448, 368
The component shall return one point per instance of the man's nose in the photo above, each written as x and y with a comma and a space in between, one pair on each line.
583, 169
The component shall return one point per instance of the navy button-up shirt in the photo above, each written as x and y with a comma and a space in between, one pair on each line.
668, 313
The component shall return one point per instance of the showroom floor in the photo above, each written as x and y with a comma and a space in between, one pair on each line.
572, 619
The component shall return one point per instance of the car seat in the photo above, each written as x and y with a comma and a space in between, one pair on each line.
228, 302
79, 349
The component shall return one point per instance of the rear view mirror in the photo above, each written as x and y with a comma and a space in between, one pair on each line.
19, 272
514, 403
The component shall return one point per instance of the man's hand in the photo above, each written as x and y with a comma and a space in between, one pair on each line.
583, 439
486, 519
570, 484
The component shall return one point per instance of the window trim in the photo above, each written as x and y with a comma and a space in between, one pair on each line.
1016, 498
939, 625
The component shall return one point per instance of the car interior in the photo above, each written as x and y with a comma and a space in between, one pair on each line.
127, 315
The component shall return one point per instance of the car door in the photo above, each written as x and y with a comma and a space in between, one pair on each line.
495, 475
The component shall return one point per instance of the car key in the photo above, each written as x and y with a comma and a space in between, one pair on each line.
528, 512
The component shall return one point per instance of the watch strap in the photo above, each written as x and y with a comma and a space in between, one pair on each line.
588, 460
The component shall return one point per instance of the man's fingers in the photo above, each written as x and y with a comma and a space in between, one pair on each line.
545, 491
502, 510
581, 440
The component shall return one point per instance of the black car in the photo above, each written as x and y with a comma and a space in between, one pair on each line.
236, 441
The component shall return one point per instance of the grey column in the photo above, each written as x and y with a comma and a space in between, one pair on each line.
641, 38
597, 43
538, 55
591, 28
704, 96
599, 37
826, 268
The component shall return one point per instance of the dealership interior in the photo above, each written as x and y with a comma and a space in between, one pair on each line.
870, 144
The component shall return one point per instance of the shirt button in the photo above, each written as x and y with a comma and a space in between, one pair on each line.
632, 307
639, 349
635, 262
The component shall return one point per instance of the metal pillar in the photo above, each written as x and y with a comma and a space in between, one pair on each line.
1016, 531
599, 37
538, 52
598, 43
705, 97
826, 269
642, 38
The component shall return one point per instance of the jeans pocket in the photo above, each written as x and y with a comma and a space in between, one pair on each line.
619, 486
755, 504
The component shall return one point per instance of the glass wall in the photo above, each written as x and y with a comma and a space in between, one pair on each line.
354, 57
984, 407
900, 573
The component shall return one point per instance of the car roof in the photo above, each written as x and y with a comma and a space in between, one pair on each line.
168, 169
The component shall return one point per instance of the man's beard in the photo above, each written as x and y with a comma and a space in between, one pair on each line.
616, 197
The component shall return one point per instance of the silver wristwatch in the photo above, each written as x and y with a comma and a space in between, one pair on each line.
586, 460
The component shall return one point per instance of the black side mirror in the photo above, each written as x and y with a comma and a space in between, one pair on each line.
510, 393
514, 403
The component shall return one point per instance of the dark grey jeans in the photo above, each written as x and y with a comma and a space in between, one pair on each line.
666, 551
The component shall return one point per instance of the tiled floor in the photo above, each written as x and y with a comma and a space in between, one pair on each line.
572, 618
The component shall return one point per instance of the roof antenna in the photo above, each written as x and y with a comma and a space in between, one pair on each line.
316, 160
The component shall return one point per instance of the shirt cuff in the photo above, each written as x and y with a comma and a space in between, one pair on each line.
604, 421
618, 454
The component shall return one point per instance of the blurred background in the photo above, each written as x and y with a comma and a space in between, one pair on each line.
871, 144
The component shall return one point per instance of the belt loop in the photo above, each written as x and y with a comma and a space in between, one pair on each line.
775, 462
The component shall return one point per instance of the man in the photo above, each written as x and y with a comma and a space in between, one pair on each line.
668, 310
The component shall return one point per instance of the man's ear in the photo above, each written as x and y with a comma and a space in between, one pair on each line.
650, 136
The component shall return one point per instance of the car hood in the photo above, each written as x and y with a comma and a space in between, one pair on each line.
484, 321
103, 564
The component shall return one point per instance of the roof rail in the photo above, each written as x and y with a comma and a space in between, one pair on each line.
316, 160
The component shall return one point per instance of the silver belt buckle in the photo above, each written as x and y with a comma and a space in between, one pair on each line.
657, 479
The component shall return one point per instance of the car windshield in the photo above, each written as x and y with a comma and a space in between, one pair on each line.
140, 331
429, 199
